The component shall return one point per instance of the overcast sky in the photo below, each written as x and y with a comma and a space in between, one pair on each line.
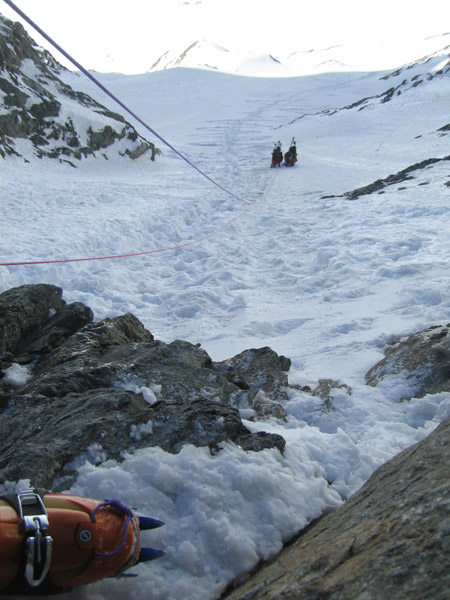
136, 32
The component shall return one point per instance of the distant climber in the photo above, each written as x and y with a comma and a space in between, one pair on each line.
277, 156
290, 158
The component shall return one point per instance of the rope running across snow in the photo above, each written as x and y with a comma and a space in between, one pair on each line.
104, 89
177, 247
111, 95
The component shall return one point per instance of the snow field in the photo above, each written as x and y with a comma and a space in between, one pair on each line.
205, 502
324, 281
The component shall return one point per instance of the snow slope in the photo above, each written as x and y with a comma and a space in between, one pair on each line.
325, 281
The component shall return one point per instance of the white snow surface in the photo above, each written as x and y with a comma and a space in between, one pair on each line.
364, 56
325, 281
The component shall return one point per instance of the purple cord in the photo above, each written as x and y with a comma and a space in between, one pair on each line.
121, 508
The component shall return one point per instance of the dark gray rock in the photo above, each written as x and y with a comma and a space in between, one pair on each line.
396, 178
390, 540
26, 309
42, 437
54, 331
261, 374
98, 389
423, 359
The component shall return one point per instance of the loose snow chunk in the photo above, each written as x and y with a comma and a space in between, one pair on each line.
150, 393
247, 413
429, 411
139, 431
17, 375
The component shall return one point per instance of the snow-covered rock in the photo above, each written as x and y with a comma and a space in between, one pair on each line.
421, 360
44, 117
111, 385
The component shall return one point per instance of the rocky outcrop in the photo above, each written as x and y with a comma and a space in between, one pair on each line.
73, 389
379, 186
57, 121
39, 315
262, 376
396, 178
390, 540
405, 79
423, 360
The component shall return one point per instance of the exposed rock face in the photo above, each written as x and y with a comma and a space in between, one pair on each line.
39, 315
37, 106
94, 390
423, 359
390, 540
403, 175
403, 80
380, 185
261, 375
412, 75
325, 390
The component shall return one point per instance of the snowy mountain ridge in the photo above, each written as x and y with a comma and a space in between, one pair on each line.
203, 54
206, 55
44, 117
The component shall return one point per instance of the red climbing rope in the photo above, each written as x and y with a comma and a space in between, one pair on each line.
178, 246
104, 89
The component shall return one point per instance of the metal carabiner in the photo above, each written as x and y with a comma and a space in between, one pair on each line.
38, 545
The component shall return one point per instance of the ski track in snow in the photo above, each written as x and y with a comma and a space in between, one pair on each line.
326, 282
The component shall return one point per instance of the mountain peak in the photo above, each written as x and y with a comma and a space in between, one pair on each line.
204, 54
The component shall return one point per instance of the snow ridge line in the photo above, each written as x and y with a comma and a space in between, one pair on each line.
258, 195
113, 97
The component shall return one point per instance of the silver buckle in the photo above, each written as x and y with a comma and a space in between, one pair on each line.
38, 545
